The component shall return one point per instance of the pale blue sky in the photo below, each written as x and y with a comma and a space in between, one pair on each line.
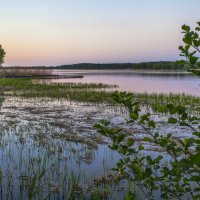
50, 32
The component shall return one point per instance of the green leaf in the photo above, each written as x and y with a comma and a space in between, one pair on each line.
193, 59
156, 135
197, 196
120, 138
152, 124
148, 172
141, 148
120, 165
196, 43
134, 116
181, 109
184, 116
145, 117
184, 124
147, 139
181, 48
187, 41
197, 189
186, 28
130, 142
172, 120
196, 159
195, 178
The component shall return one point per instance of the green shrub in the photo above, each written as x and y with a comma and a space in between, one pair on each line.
177, 177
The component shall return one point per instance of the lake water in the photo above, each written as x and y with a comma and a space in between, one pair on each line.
138, 80
58, 135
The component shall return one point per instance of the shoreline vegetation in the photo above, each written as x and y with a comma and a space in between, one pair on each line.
161, 65
90, 93
49, 72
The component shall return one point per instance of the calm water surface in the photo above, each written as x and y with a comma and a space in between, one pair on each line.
34, 134
138, 80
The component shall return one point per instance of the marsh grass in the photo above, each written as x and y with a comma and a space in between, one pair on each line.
23, 71
43, 159
70, 91
33, 169
154, 100
96, 93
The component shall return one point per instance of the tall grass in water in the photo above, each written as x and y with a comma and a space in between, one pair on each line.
96, 93
50, 170
23, 71
70, 91
154, 100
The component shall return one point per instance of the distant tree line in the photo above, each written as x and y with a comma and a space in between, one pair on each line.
144, 65
162, 65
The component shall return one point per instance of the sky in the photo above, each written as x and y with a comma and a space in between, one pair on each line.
56, 32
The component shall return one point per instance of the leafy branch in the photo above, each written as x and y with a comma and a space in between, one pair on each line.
191, 49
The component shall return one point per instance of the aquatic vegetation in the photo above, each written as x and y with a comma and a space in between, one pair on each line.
41, 161
154, 100
50, 149
70, 91
23, 71
96, 93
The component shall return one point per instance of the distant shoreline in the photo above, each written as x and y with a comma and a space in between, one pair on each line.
161, 65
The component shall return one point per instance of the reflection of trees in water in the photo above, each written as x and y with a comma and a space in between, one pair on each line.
166, 75
151, 74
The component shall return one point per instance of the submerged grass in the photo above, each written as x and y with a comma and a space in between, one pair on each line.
46, 167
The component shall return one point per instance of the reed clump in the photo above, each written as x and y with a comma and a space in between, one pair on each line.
23, 71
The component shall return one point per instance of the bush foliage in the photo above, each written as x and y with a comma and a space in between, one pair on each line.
174, 173
2, 55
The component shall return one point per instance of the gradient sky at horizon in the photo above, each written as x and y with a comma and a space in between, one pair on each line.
49, 32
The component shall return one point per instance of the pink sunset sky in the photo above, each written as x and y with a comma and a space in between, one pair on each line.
53, 32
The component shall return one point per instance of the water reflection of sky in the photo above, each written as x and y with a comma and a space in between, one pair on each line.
28, 141
140, 81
